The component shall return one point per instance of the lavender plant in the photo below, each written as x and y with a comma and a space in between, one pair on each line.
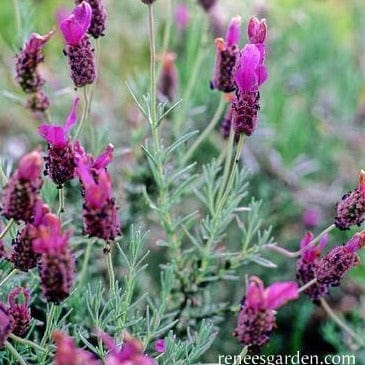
103, 292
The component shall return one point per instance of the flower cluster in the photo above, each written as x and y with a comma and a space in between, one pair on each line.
15, 315
27, 75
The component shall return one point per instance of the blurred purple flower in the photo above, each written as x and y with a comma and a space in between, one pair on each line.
182, 16
20, 311
311, 217
160, 345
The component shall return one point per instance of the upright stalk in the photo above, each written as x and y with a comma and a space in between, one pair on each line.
109, 264
84, 112
50, 317
341, 323
7, 277
61, 200
18, 19
7, 228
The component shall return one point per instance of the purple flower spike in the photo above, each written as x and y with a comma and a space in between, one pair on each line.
233, 32
6, 323
256, 30
256, 318
20, 311
76, 25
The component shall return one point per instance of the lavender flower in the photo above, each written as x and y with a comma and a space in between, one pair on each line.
98, 17
226, 58
130, 353
351, 208
27, 62
21, 192
37, 102
68, 354
78, 47
160, 345
307, 266
60, 165
167, 84
182, 16
100, 212
6, 323
256, 318
19, 311
333, 266
250, 75
22, 255
57, 264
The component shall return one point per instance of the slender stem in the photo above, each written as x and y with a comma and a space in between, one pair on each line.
307, 285
341, 323
7, 228
241, 356
109, 264
84, 112
206, 131
15, 353
7, 277
85, 262
61, 199
26, 342
233, 172
18, 18
152, 66
3, 177
49, 324
227, 164
283, 251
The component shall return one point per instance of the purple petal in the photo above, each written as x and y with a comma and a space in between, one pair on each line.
246, 77
261, 75
255, 294
256, 30
72, 118
233, 32
104, 158
76, 25
279, 293
53, 134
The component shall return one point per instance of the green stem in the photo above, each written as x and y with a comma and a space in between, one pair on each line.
241, 356
7, 277
61, 199
151, 28
18, 18
230, 182
341, 323
26, 342
85, 262
3, 177
7, 228
207, 130
15, 353
84, 112
227, 164
49, 324
307, 285
109, 264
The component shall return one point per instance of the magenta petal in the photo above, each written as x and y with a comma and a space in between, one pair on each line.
233, 32
246, 74
256, 30
83, 13
307, 238
104, 158
53, 134
261, 75
72, 118
255, 294
279, 293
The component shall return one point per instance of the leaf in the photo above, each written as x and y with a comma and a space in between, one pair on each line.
178, 142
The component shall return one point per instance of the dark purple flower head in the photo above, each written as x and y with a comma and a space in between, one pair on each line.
20, 310
57, 263
22, 255
334, 265
98, 17
256, 30
68, 354
21, 192
226, 58
307, 265
131, 352
351, 208
27, 62
56, 135
207, 4
75, 26
256, 318
6, 323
